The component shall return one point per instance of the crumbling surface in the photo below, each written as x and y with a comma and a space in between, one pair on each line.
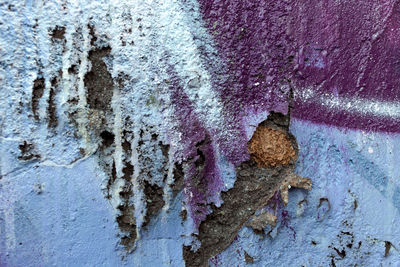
139, 101
154, 200
254, 187
270, 147
37, 93
293, 180
259, 222
98, 80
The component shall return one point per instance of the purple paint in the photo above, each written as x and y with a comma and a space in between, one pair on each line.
285, 218
204, 186
215, 260
275, 52
321, 46
191, 129
239, 30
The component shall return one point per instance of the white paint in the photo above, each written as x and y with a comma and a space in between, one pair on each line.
358, 105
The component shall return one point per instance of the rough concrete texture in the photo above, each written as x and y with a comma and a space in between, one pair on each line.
199, 132
270, 147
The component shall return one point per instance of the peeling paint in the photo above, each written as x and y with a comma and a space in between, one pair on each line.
151, 133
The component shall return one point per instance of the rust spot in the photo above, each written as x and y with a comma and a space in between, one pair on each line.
271, 147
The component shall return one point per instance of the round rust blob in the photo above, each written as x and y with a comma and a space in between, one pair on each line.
270, 147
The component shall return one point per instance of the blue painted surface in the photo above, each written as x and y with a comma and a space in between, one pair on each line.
70, 223
54, 210
345, 166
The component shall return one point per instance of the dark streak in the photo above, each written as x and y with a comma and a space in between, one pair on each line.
98, 80
51, 109
155, 201
27, 152
58, 32
341, 253
37, 93
388, 245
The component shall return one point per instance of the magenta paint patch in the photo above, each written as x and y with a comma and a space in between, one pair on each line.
203, 182
255, 50
335, 63
342, 60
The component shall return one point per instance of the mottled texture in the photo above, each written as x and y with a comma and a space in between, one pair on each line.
260, 222
293, 181
124, 130
270, 147
349, 216
340, 59
255, 187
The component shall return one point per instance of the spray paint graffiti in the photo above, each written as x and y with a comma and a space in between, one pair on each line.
342, 70
158, 98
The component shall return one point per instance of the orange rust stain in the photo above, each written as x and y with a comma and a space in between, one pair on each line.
270, 147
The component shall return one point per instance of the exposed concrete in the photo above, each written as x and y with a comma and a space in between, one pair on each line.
98, 80
254, 187
125, 129
37, 93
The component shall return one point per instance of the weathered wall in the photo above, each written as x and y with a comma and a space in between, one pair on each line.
221, 133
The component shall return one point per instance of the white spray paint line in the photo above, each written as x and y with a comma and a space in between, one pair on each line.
167, 190
360, 106
177, 38
142, 46
116, 106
